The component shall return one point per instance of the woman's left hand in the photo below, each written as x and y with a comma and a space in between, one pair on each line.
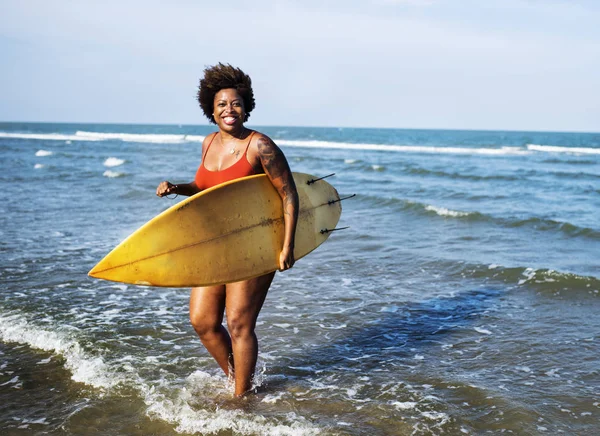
286, 258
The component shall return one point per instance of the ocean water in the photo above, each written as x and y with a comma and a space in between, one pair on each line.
463, 299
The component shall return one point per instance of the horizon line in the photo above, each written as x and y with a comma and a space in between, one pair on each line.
309, 126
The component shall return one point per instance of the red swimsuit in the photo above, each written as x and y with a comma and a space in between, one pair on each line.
207, 179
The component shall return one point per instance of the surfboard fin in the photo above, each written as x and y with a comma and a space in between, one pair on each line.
311, 181
333, 230
330, 202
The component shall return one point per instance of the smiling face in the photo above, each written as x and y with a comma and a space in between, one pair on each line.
229, 113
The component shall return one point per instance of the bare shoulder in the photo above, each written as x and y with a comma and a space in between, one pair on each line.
260, 147
260, 141
207, 140
263, 146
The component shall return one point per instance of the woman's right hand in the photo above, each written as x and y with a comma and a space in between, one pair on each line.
165, 188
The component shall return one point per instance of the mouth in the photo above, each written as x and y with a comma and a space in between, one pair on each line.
229, 120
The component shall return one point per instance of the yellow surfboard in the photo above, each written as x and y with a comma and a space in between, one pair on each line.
224, 234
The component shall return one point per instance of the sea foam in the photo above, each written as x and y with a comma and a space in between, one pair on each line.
140, 137
404, 405
112, 174
555, 149
503, 151
43, 136
182, 138
85, 368
113, 162
442, 211
175, 405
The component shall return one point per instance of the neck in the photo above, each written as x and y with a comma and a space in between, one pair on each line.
235, 134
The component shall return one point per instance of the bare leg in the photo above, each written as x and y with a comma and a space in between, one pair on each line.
206, 315
243, 303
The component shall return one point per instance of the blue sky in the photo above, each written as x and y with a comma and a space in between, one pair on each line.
493, 64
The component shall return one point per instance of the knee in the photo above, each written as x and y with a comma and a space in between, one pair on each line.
239, 327
203, 325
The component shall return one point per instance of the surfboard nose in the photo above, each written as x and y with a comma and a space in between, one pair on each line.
95, 272
100, 270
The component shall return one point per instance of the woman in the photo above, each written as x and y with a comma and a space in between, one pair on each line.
226, 98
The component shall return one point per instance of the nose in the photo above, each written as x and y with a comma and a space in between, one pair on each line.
232, 109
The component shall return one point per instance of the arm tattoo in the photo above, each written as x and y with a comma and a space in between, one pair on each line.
278, 170
272, 158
